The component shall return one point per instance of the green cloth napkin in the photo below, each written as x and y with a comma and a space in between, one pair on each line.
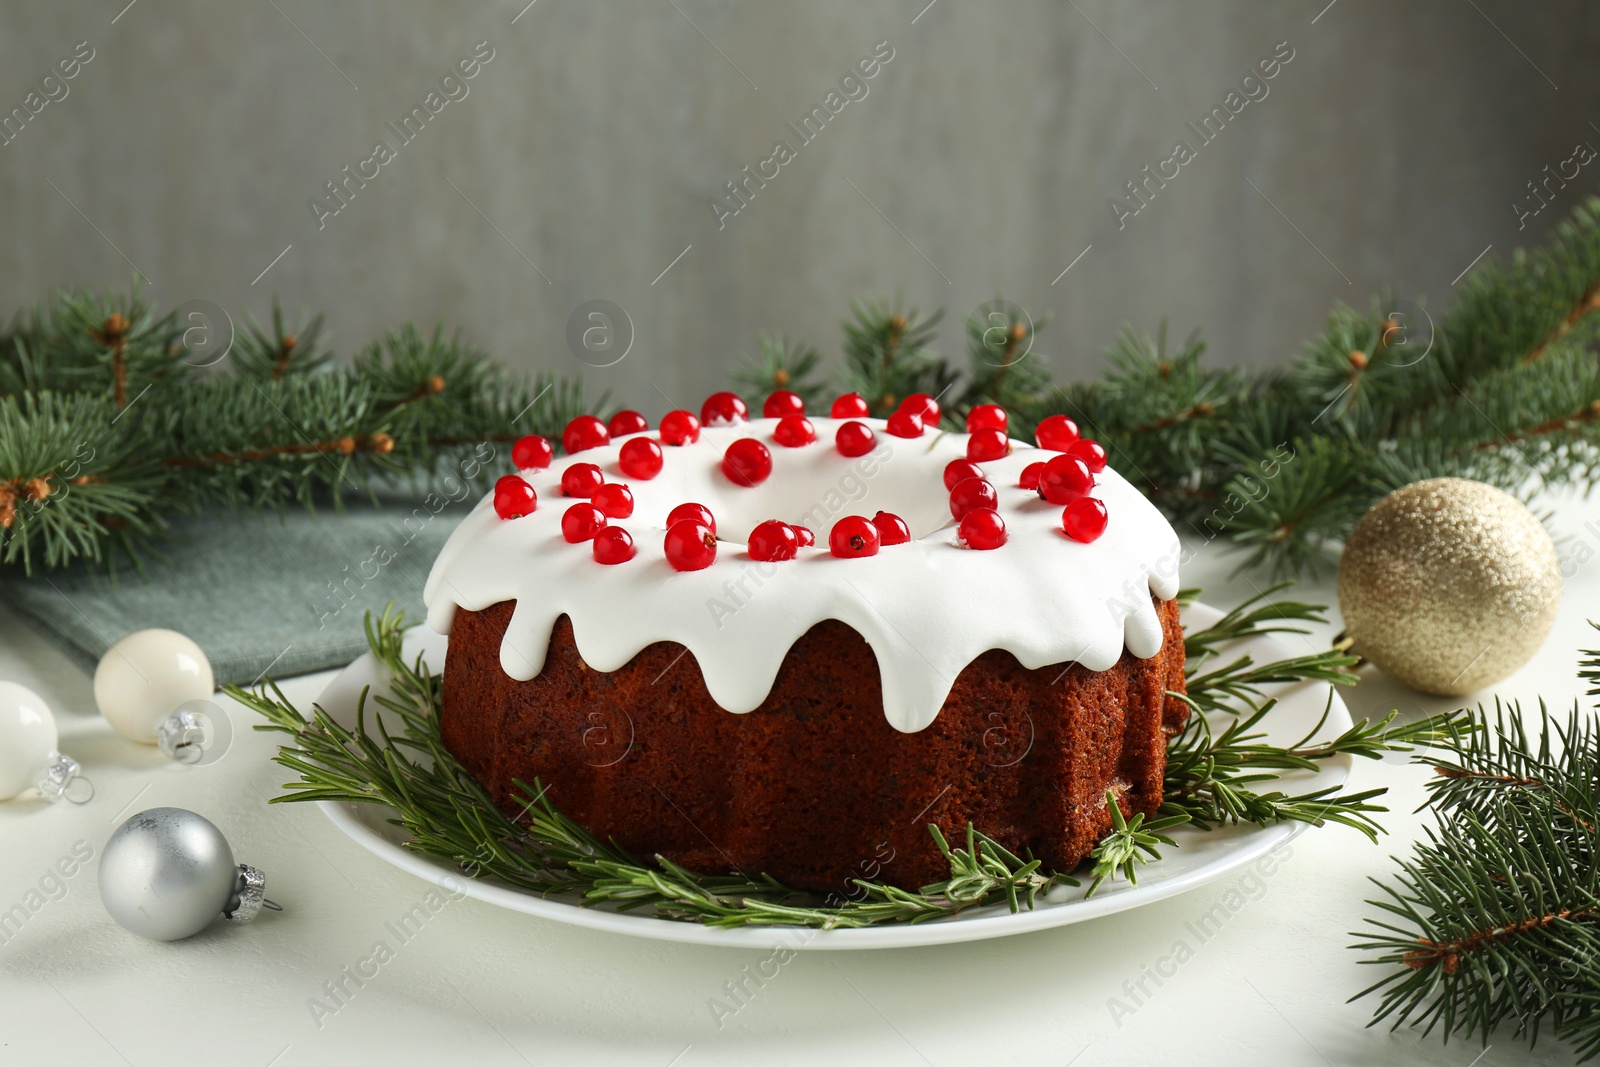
261, 594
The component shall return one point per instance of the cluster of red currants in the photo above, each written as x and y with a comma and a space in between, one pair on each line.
1066, 479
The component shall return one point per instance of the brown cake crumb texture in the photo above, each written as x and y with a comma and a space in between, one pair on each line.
814, 787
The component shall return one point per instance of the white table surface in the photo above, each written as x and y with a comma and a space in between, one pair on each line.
482, 985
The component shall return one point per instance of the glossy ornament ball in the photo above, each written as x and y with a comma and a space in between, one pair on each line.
145, 677
27, 738
167, 874
1449, 585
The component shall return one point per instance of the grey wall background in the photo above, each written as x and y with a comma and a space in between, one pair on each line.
981, 161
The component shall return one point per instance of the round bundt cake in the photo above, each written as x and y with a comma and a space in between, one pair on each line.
786, 645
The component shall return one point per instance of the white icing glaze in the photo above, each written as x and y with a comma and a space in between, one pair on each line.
928, 608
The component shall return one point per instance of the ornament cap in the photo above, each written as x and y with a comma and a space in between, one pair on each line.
63, 780
249, 896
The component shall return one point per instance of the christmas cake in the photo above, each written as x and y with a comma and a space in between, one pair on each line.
786, 645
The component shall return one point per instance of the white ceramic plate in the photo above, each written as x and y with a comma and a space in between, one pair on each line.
1200, 858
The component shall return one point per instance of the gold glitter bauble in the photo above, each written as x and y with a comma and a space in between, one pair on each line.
1449, 585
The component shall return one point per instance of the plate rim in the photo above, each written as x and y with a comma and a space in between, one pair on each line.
1247, 846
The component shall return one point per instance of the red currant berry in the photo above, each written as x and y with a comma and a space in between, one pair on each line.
987, 417
971, 494
793, 431
855, 439
692, 513
613, 545
783, 403
615, 499
853, 536
773, 541
626, 422
986, 445
583, 432
804, 535
640, 458
982, 528
1093, 456
532, 453
581, 479
513, 497
905, 423
1065, 479
690, 545
850, 406
679, 428
924, 406
1030, 476
747, 462
892, 529
1056, 433
1084, 519
581, 522
723, 409
959, 470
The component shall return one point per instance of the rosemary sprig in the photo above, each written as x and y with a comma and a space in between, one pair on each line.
1130, 843
394, 757
1211, 776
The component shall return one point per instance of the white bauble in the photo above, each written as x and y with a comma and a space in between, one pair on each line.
145, 677
27, 738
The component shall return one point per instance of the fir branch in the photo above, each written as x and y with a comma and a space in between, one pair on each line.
1494, 920
270, 354
781, 364
887, 357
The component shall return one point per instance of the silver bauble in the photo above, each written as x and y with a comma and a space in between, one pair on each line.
168, 873
1449, 585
